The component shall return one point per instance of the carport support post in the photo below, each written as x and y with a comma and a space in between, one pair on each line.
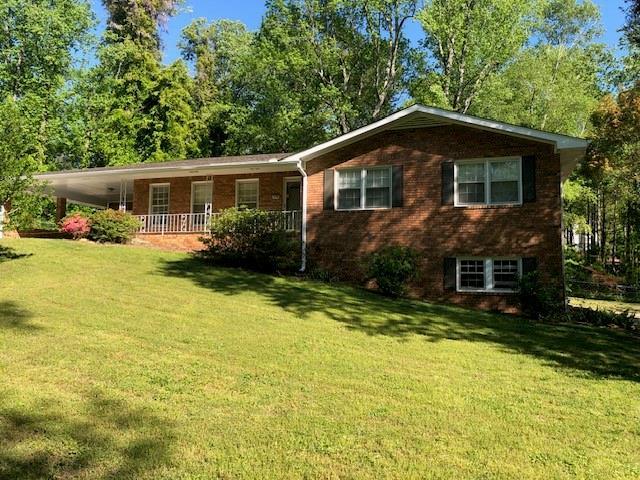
61, 208
123, 196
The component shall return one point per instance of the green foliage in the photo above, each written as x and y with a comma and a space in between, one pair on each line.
392, 268
218, 53
554, 83
317, 69
253, 239
32, 209
466, 43
632, 28
113, 226
137, 109
549, 88
39, 40
139, 20
574, 265
537, 300
527, 63
18, 151
602, 318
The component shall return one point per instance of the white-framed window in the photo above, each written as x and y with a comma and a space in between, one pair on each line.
201, 196
488, 274
490, 181
247, 193
363, 188
159, 199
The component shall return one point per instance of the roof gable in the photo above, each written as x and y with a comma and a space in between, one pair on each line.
570, 148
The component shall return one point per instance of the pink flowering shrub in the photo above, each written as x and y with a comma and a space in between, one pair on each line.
76, 225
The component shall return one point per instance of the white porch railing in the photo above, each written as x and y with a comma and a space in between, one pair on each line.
292, 220
199, 222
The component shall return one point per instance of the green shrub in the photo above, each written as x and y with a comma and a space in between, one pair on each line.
32, 209
253, 239
392, 268
537, 300
604, 318
113, 226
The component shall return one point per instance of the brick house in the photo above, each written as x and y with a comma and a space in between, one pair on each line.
479, 199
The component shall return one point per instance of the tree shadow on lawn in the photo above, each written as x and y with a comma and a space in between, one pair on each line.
8, 253
596, 351
15, 317
110, 440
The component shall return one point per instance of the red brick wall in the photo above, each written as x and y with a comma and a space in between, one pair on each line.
338, 240
224, 191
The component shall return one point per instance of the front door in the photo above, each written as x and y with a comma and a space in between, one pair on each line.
292, 195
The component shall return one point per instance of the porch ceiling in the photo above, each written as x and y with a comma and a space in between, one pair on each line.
98, 187
94, 191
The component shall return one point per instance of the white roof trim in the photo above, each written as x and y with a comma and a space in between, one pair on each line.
561, 142
126, 172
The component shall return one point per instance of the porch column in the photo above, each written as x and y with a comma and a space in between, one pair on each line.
61, 208
123, 196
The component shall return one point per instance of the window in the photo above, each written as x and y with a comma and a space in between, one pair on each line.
201, 193
159, 199
505, 274
363, 188
488, 182
377, 188
488, 274
504, 177
471, 183
472, 274
247, 193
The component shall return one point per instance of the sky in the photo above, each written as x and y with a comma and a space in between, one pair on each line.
250, 13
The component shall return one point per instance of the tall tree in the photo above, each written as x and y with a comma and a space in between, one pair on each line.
39, 40
466, 43
319, 68
137, 109
358, 54
18, 152
632, 28
556, 82
217, 53
609, 197
139, 20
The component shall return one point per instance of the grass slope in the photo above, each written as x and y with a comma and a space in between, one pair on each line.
122, 362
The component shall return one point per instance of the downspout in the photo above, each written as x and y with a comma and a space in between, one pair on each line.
303, 226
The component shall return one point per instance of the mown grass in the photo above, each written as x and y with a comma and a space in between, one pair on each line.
121, 362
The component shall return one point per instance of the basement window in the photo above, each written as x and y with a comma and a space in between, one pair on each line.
488, 274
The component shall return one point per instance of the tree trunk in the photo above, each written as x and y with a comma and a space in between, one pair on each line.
603, 228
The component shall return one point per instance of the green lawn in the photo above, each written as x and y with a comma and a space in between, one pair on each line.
611, 305
123, 362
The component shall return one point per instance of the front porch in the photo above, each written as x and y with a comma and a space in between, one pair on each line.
187, 204
175, 223
177, 200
